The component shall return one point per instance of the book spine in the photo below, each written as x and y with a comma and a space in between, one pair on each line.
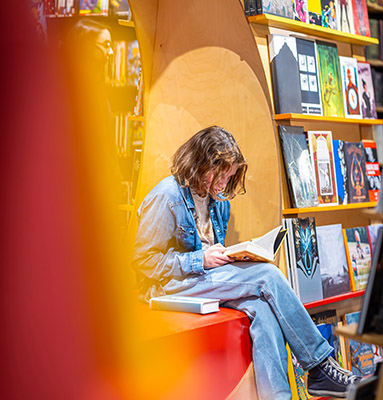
349, 264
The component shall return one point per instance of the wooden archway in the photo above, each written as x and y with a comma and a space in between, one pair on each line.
201, 67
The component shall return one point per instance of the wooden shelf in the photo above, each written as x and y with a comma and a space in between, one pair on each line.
375, 8
334, 299
309, 29
377, 216
305, 117
376, 63
124, 22
309, 210
379, 109
349, 331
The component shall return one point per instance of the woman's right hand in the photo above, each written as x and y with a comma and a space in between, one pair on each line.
214, 257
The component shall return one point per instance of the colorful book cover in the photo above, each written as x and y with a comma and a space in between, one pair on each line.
372, 232
366, 90
371, 319
356, 179
309, 77
306, 259
361, 355
298, 166
120, 7
285, 74
358, 256
283, 8
315, 12
345, 16
300, 379
329, 75
97, 7
372, 169
361, 21
333, 260
329, 14
350, 86
329, 317
300, 10
322, 158
340, 170
65, 7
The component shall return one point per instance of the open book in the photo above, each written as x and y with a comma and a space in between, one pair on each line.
261, 249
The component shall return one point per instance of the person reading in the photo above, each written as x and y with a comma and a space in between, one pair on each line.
180, 250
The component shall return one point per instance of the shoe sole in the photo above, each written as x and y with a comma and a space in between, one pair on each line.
325, 393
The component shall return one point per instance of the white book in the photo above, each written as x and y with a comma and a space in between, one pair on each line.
198, 305
350, 87
261, 249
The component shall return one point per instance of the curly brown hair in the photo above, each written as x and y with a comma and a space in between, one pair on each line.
211, 149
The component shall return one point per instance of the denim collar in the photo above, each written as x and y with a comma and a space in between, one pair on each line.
186, 194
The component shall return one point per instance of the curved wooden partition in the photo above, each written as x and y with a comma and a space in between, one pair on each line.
202, 67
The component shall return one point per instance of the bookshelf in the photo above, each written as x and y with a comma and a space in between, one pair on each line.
177, 48
320, 209
312, 118
334, 299
275, 21
376, 63
374, 55
347, 129
374, 8
121, 88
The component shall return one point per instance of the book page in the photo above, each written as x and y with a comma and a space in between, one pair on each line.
267, 240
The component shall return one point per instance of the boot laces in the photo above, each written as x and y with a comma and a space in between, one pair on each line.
338, 374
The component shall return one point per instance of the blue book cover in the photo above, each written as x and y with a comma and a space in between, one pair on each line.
306, 266
326, 331
340, 170
361, 355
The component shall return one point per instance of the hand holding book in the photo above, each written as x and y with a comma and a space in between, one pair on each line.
261, 249
215, 256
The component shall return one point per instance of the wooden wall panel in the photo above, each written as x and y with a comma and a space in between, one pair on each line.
205, 70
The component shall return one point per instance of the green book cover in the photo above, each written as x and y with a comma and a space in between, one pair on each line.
329, 74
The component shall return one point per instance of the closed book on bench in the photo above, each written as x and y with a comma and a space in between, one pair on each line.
198, 305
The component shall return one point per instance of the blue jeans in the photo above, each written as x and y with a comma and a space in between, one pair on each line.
276, 314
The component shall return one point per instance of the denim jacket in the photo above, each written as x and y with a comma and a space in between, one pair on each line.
167, 243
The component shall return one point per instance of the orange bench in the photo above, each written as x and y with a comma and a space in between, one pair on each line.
193, 356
